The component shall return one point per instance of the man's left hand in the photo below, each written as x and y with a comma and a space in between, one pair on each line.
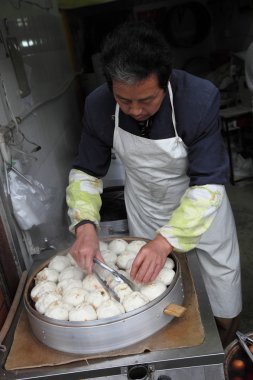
150, 260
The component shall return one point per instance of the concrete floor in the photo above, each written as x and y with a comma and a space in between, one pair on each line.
241, 198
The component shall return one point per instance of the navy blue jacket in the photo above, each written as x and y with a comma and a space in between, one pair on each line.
196, 103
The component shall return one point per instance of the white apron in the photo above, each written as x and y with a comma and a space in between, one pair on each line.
155, 183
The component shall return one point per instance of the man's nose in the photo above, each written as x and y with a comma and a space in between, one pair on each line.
135, 109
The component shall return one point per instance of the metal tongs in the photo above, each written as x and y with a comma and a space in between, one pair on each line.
243, 340
120, 278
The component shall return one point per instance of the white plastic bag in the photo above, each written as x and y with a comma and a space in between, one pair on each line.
30, 200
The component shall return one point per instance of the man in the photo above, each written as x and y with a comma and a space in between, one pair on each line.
164, 125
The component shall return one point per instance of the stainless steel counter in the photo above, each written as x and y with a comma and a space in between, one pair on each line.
202, 362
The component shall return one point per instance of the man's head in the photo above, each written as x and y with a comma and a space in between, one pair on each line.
134, 51
137, 65
140, 100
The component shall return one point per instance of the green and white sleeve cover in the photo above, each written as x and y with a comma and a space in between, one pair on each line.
83, 198
193, 217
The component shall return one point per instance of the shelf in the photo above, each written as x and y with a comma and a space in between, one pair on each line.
233, 114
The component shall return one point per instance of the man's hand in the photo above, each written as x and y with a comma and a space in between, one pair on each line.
86, 247
150, 260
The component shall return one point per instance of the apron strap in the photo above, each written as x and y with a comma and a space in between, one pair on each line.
173, 110
117, 116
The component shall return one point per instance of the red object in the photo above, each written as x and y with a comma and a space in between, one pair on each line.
238, 364
251, 348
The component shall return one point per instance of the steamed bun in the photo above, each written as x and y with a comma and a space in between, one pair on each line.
117, 246
109, 256
58, 310
169, 263
123, 259
83, 312
91, 283
59, 263
47, 274
109, 308
42, 287
165, 275
122, 290
134, 300
66, 284
97, 297
71, 272
135, 246
45, 300
74, 296
154, 290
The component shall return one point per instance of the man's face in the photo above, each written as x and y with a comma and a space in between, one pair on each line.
140, 100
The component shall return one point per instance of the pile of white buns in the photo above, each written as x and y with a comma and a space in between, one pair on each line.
64, 291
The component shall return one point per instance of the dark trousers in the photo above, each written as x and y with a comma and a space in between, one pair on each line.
227, 328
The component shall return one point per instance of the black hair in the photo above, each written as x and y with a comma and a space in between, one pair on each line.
133, 51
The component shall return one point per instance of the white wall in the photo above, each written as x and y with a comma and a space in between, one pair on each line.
55, 122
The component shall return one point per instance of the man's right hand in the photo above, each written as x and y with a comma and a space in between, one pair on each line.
86, 246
